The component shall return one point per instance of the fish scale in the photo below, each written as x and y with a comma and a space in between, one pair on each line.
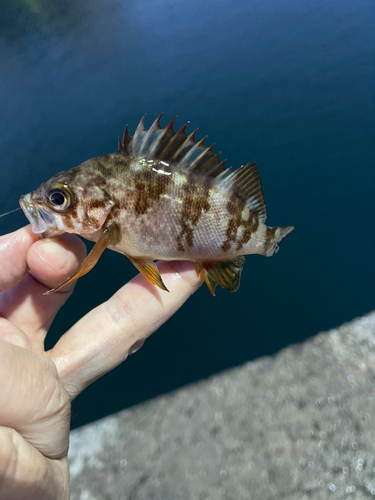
162, 196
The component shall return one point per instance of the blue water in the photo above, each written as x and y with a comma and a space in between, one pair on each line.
288, 84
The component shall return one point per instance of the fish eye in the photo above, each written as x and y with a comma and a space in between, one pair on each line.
60, 199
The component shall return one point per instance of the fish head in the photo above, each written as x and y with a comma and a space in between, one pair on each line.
69, 202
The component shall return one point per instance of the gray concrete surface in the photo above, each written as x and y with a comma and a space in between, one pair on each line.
297, 426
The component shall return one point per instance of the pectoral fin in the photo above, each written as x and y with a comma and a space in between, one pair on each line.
226, 274
108, 237
149, 270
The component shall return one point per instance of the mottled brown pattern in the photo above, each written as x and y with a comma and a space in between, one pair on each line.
148, 187
249, 226
95, 203
231, 207
270, 238
72, 216
161, 206
93, 220
105, 165
233, 225
69, 220
235, 206
119, 161
98, 180
196, 200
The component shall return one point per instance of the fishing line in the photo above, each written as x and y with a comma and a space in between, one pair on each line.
7, 213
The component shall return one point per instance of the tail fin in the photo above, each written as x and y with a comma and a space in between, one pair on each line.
274, 236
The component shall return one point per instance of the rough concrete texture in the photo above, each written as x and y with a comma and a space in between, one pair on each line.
296, 426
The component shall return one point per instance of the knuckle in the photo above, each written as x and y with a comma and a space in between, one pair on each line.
9, 456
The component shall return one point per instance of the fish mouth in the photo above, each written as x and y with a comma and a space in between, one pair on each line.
40, 219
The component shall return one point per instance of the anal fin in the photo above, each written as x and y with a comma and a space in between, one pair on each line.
202, 271
149, 270
226, 274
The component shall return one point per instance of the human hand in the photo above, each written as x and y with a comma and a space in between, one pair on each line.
37, 386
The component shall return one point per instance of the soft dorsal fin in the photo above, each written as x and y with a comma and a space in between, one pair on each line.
174, 147
245, 182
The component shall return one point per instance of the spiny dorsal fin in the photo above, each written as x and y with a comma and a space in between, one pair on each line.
245, 182
226, 274
126, 140
174, 147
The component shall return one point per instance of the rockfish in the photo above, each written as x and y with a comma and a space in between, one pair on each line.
164, 196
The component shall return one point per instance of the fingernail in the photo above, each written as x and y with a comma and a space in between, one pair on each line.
52, 254
135, 347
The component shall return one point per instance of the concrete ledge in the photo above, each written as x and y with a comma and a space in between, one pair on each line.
296, 426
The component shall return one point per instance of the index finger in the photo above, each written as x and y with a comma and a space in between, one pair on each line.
104, 338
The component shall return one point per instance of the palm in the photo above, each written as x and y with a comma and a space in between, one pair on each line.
38, 386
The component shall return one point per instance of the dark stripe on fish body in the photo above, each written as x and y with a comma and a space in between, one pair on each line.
234, 207
270, 234
69, 218
119, 161
94, 220
98, 180
104, 165
249, 227
95, 203
149, 187
195, 200
270, 238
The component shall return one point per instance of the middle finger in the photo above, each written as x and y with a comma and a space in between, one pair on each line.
106, 335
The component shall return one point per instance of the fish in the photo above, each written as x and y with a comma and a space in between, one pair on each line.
162, 196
